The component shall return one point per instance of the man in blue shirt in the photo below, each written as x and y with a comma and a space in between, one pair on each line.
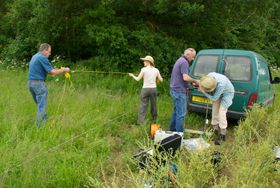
178, 88
39, 67
218, 88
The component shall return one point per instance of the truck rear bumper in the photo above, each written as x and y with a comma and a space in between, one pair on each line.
202, 109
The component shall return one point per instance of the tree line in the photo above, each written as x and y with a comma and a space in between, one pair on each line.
113, 34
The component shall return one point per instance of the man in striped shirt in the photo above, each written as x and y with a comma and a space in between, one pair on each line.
218, 88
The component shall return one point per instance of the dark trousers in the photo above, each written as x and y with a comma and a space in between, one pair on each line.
146, 95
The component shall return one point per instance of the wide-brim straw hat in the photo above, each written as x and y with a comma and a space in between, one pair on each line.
207, 84
149, 58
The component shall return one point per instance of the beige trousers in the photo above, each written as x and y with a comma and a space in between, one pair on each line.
219, 116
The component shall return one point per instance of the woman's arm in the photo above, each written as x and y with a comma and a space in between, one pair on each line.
159, 77
138, 77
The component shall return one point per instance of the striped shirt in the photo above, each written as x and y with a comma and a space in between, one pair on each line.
224, 90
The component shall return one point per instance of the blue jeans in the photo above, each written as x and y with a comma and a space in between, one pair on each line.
179, 111
39, 93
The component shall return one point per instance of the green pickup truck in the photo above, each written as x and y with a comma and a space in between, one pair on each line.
248, 71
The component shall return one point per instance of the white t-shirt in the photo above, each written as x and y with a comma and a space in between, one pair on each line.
149, 75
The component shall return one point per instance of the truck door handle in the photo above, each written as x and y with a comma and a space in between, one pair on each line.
240, 92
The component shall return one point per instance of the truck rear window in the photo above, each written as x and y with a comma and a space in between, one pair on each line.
205, 64
238, 68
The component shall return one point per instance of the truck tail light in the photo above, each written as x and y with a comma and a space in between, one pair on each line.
188, 92
253, 99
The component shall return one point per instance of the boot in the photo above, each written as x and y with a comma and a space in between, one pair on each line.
216, 137
220, 140
223, 137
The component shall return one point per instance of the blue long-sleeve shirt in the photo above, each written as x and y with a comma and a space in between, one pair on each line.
39, 67
224, 90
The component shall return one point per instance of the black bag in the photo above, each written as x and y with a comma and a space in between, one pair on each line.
143, 158
163, 152
169, 145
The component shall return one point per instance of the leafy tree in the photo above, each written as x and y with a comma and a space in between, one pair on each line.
115, 33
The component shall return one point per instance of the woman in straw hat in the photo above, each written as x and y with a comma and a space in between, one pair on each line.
218, 88
149, 91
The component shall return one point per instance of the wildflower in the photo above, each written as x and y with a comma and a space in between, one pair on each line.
67, 75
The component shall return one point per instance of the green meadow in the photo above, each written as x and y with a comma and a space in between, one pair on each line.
91, 135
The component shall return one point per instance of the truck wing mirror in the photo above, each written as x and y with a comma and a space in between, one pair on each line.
276, 80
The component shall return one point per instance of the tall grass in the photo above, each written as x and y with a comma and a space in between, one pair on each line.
92, 127
90, 136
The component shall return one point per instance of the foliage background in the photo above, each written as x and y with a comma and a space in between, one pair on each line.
113, 34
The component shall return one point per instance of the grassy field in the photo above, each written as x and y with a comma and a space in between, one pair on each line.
90, 136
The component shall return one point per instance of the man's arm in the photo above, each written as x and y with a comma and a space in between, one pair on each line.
187, 78
216, 95
59, 71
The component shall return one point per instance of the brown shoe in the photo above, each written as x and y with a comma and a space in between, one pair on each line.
216, 137
220, 140
223, 137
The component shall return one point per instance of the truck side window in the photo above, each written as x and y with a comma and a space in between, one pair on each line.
238, 68
205, 64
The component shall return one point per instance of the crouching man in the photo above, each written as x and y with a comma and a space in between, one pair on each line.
218, 88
